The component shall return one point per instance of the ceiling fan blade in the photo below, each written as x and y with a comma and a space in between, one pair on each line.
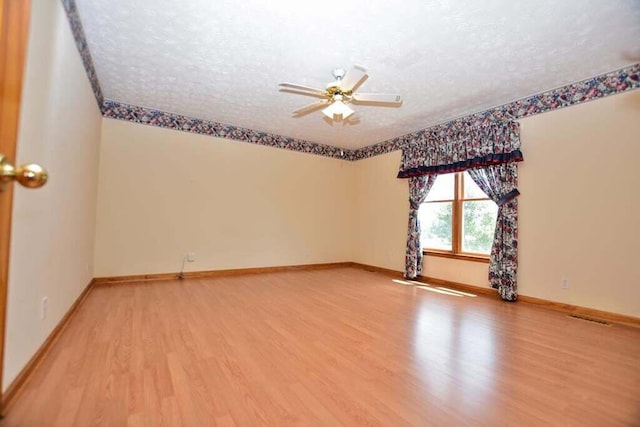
309, 108
301, 88
299, 92
386, 98
352, 78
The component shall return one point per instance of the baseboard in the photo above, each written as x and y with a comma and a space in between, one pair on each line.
427, 280
372, 268
459, 286
17, 385
553, 305
585, 311
101, 281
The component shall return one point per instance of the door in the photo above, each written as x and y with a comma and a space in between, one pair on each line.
14, 25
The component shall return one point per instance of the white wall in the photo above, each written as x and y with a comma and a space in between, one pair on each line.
53, 227
163, 193
578, 210
579, 207
381, 212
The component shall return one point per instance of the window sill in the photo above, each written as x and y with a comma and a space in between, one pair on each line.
462, 257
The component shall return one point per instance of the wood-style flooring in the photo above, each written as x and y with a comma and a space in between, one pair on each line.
327, 348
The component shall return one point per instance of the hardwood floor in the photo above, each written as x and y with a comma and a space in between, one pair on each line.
330, 347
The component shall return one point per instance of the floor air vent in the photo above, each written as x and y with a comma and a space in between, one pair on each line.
589, 319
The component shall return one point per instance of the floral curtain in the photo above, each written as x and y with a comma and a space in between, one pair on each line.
419, 187
460, 145
489, 149
500, 182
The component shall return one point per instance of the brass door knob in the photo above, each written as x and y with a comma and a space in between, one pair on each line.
30, 176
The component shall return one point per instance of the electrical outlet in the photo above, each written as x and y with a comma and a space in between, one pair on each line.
44, 308
191, 256
564, 283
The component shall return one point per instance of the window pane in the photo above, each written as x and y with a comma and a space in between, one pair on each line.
478, 225
443, 188
471, 189
435, 225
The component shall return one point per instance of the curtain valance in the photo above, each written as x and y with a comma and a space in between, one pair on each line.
461, 145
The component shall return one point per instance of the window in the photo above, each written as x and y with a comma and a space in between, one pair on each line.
457, 219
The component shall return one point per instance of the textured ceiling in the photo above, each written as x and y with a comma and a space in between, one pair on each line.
223, 60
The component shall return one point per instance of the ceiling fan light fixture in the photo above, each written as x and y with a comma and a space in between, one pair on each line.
337, 108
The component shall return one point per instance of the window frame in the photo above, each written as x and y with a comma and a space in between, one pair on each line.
456, 226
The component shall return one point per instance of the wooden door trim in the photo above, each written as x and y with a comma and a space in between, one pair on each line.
14, 32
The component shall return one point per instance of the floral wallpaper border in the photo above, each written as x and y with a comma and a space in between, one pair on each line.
576, 93
618, 81
147, 116
81, 43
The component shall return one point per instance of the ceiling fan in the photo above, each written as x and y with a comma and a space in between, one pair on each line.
339, 93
